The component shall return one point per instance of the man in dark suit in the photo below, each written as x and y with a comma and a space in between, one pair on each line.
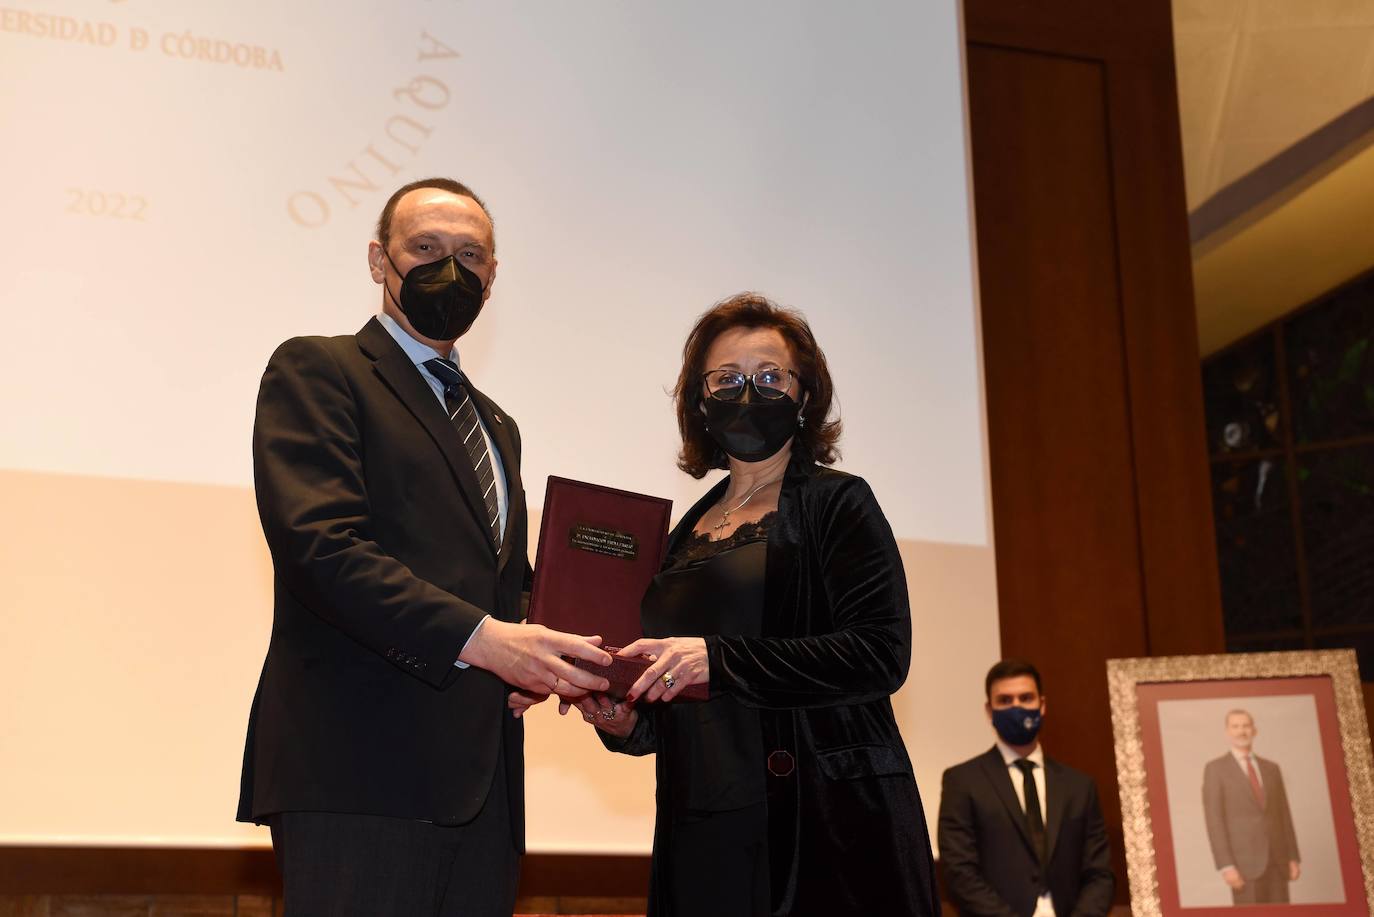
1248, 821
379, 747
1021, 834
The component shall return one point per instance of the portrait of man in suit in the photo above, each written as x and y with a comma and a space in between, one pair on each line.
1021, 834
1249, 825
379, 747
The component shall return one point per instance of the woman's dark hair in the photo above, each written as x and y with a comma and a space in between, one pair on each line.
818, 434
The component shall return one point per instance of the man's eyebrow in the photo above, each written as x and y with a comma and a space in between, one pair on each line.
426, 235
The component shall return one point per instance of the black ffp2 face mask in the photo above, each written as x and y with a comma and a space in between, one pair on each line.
441, 299
752, 431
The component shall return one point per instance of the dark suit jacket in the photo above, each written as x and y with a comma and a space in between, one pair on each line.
846, 830
382, 570
989, 864
1242, 834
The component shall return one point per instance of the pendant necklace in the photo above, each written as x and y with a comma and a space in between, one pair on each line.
720, 527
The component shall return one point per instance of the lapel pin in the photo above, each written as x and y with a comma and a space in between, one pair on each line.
498, 417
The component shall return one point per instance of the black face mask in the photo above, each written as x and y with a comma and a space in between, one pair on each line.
752, 431
1017, 725
441, 299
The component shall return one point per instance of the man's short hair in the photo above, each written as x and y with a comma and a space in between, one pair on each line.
1238, 712
1011, 668
443, 184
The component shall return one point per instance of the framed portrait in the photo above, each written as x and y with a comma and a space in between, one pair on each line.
1246, 782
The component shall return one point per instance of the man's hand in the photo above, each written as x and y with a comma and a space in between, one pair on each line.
520, 702
1233, 877
529, 657
683, 659
1294, 870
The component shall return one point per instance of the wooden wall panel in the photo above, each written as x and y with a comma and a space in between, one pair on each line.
1069, 580
1101, 499
175, 870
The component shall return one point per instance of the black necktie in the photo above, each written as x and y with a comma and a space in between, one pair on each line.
463, 413
1034, 822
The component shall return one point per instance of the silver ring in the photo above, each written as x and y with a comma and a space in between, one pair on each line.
608, 713
669, 680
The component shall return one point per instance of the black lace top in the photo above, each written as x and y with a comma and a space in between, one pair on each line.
699, 546
713, 751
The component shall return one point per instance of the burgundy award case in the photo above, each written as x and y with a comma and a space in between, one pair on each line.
599, 549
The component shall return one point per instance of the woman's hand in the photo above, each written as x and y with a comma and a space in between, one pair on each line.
615, 717
683, 659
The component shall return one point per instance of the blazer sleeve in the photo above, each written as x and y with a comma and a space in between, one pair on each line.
1214, 810
866, 655
1290, 834
957, 833
1097, 883
313, 501
641, 740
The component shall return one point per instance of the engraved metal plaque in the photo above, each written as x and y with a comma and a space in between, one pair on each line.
603, 541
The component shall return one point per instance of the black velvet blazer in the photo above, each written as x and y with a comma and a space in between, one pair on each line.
846, 831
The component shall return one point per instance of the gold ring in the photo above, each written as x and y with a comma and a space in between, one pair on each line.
669, 680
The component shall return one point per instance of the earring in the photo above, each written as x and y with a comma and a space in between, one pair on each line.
801, 420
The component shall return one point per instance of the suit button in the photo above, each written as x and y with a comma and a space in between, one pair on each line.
780, 763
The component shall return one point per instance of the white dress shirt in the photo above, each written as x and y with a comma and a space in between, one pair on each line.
419, 354
1044, 907
1244, 758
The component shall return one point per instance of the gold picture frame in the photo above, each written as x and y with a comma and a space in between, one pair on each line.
1147, 695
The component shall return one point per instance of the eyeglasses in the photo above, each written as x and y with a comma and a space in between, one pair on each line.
728, 384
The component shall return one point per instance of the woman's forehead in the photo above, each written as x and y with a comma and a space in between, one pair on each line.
743, 346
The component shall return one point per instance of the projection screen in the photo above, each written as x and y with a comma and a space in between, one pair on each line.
186, 185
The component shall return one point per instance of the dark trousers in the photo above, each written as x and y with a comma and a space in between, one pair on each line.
340, 865
1269, 887
719, 864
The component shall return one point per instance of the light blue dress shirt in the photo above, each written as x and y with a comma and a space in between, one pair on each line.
419, 354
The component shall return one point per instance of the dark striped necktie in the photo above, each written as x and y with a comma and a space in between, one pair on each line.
463, 413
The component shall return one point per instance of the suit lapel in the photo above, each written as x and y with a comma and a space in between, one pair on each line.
400, 375
787, 539
1236, 774
496, 425
995, 770
1056, 804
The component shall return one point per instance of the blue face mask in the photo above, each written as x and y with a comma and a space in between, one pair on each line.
1017, 725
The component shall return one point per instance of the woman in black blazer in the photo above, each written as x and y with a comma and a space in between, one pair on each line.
790, 791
